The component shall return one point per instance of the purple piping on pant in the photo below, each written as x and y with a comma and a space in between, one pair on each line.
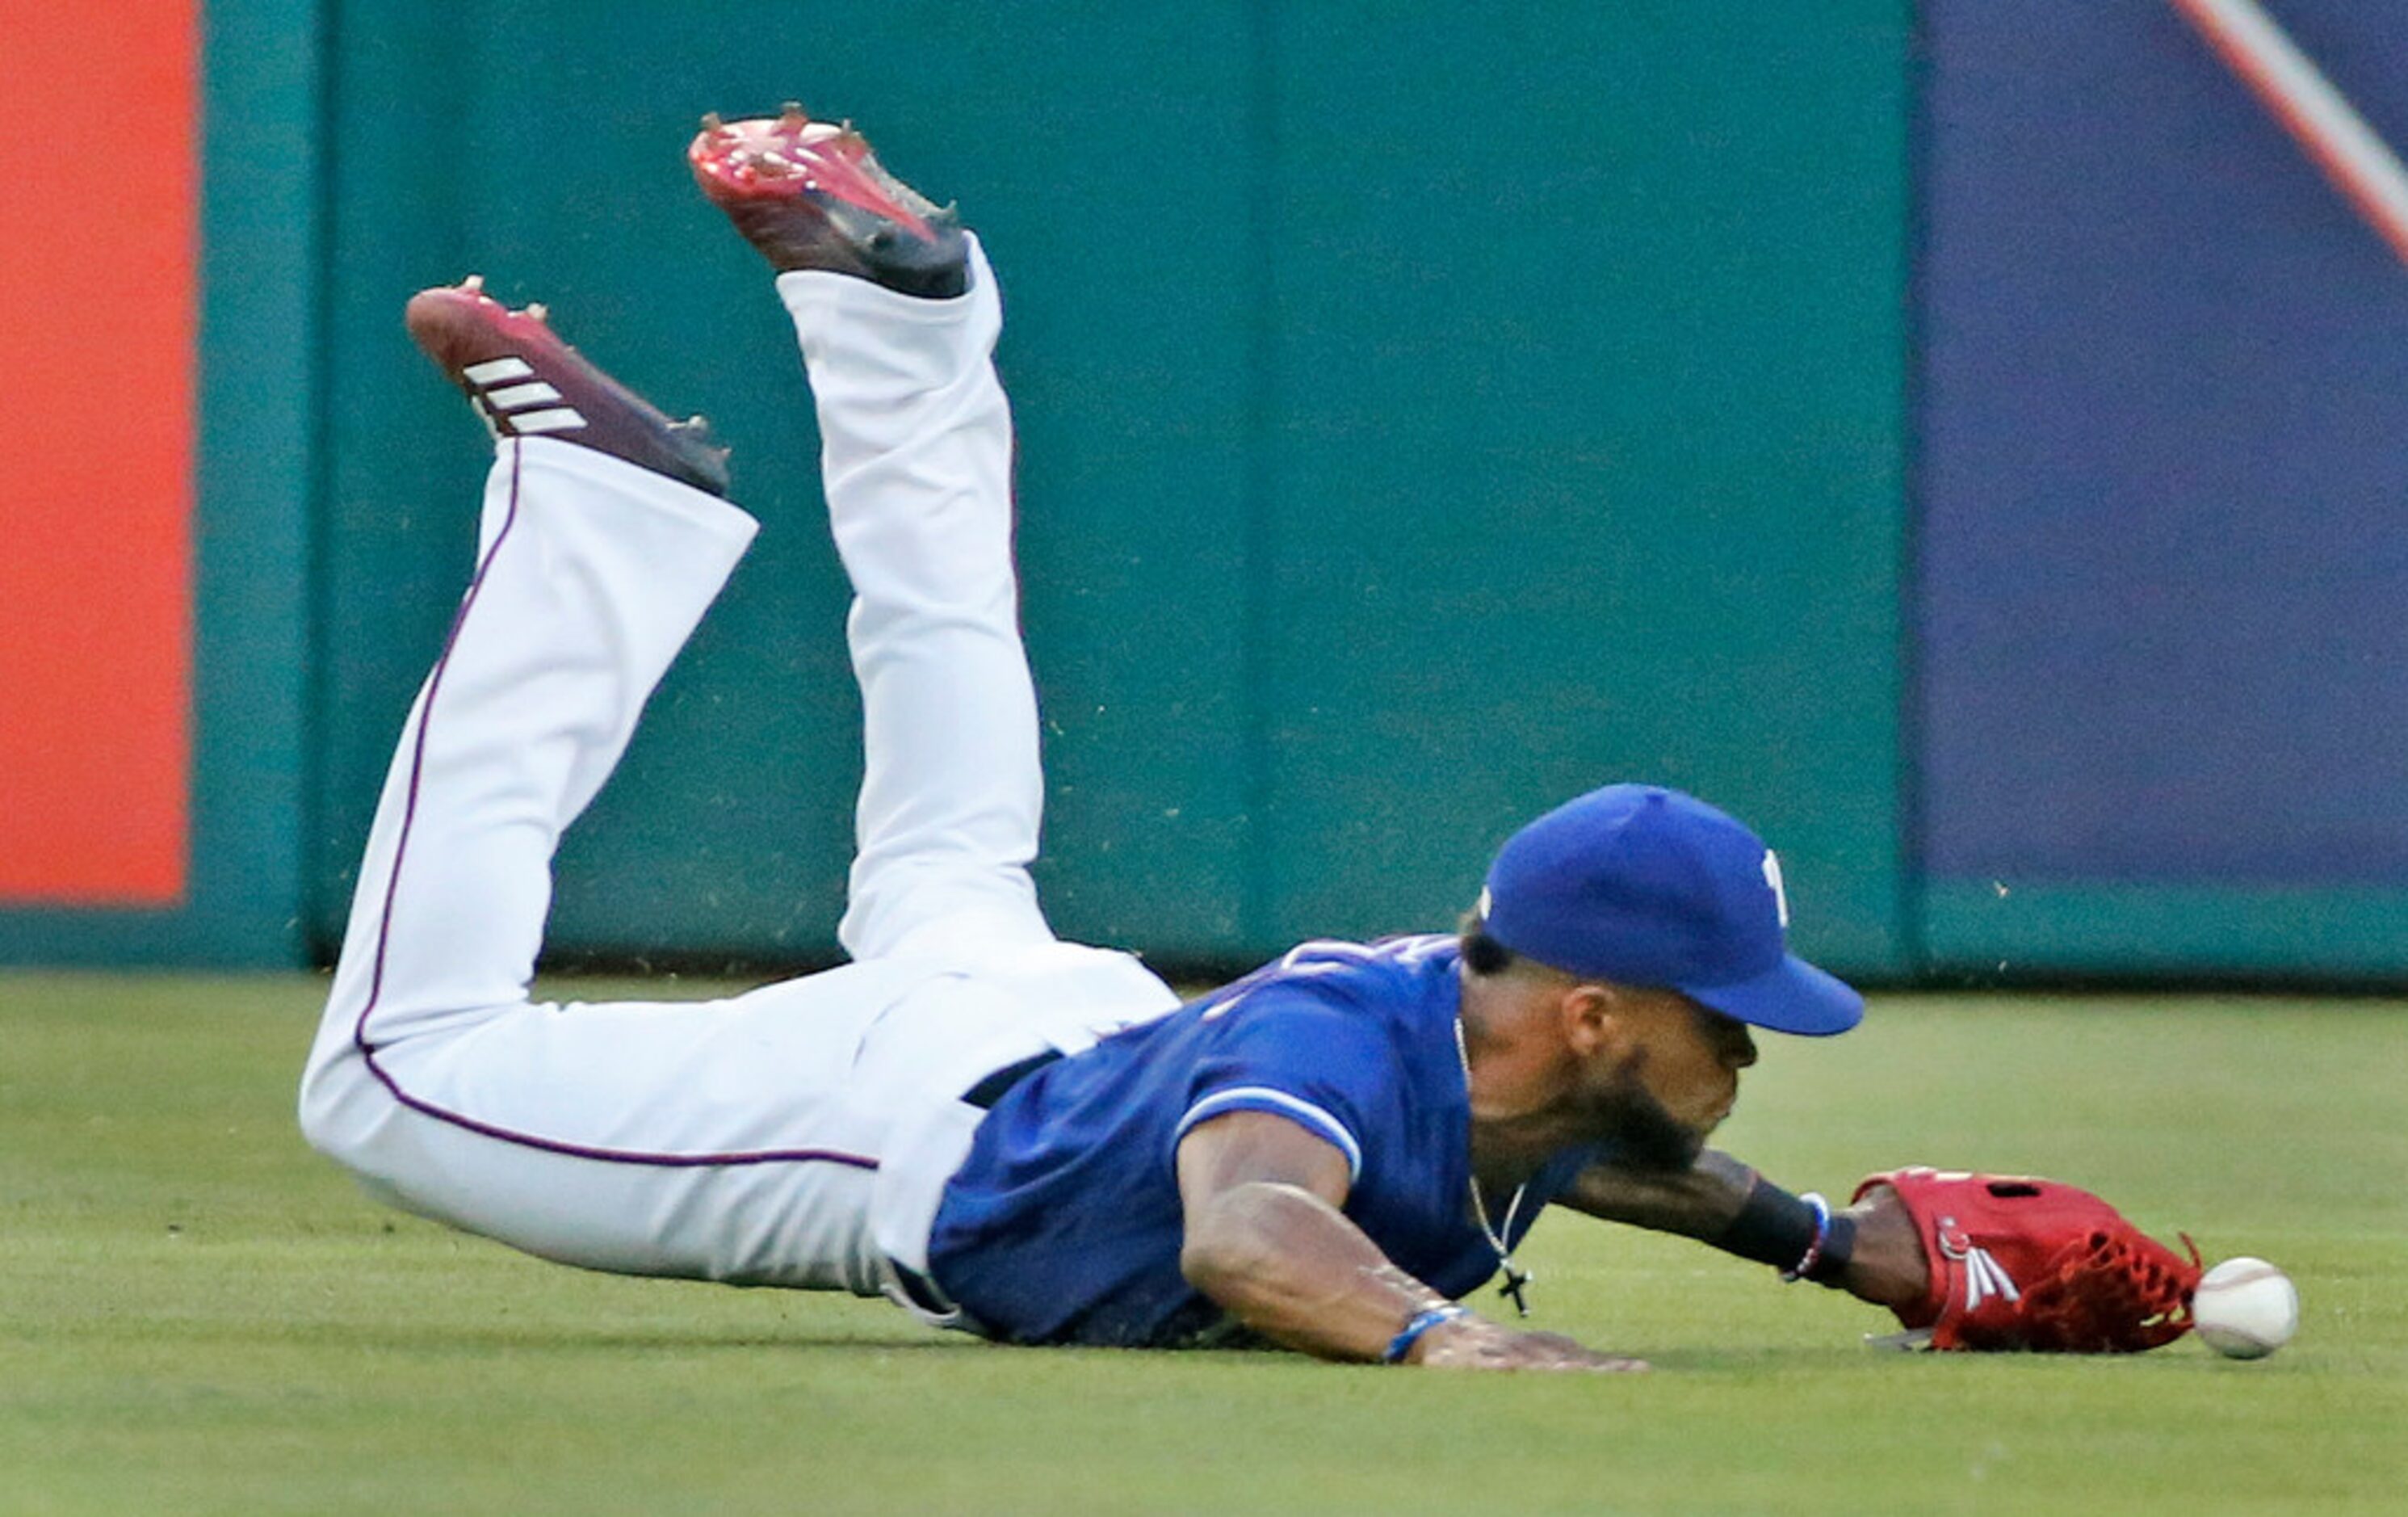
384, 932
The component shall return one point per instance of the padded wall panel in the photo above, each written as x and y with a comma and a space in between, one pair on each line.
212, 777
542, 144
1588, 445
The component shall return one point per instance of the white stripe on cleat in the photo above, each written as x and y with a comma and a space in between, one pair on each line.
512, 397
494, 370
558, 419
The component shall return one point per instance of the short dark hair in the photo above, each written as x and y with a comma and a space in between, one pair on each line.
1482, 954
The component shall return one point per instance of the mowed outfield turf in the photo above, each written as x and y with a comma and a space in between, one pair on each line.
197, 1315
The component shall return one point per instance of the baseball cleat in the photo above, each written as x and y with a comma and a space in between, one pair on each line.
811, 194
524, 382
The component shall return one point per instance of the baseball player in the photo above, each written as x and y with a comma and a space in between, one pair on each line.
1000, 1131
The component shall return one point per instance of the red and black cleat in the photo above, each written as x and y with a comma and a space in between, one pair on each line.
811, 194
525, 381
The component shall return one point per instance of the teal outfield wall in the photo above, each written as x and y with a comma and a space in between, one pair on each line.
1420, 423
1425, 415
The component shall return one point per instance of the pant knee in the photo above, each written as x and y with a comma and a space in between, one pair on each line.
328, 1124
944, 911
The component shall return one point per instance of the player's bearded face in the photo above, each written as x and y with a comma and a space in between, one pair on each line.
1644, 1132
1657, 1091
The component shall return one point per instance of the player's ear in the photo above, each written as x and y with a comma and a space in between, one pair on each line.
1587, 1012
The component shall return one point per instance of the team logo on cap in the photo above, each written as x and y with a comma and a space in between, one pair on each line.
1772, 878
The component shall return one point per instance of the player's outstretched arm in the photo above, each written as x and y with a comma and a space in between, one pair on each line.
1721, 1200
1265, 1240
1699, 1202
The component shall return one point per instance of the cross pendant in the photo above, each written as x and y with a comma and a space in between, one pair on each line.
1516, 1282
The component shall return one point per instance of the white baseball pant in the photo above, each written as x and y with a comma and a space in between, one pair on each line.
800, 1134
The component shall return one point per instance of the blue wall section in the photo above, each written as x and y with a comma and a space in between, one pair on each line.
2164, 456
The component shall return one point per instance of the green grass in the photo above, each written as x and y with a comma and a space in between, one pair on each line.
197, 1315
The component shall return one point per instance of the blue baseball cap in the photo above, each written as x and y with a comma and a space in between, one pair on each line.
1643, 886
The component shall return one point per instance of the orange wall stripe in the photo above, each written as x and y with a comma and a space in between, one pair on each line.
99, 324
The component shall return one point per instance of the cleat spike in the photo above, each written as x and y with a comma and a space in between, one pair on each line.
712, 123
809, 194
539, 311
473, 285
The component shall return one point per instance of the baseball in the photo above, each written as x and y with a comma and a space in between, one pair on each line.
2245, 1308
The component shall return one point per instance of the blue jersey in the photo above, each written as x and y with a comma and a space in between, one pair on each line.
1064, 1224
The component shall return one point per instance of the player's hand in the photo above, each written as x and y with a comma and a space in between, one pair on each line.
1471, 1342
1888, 1267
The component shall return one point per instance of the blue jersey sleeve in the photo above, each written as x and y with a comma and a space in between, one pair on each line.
1300, 1052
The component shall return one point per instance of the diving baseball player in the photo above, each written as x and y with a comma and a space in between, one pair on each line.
1000, 1131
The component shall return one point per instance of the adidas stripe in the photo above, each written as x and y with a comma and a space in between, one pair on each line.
514, 402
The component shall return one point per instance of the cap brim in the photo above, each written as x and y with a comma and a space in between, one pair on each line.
1791, 997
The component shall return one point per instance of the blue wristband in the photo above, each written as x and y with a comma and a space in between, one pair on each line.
1428, 1317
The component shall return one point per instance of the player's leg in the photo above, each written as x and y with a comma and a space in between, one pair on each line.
716, 1139
603, 540
898, 313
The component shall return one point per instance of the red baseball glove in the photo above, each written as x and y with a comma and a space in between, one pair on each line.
2034, 1264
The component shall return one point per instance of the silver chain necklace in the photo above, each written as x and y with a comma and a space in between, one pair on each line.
1517, 1280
